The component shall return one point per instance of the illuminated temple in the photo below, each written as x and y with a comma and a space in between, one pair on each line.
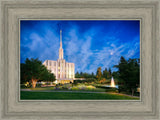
63, 70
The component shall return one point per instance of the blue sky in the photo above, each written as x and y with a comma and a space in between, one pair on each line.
87, 43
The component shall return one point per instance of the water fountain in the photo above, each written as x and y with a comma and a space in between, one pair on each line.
112, 85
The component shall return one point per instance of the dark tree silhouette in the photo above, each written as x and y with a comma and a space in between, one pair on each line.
129, 74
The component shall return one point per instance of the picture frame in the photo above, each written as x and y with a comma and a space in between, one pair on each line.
14, 108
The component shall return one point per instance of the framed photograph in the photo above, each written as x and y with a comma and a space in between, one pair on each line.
80, 59
103, 55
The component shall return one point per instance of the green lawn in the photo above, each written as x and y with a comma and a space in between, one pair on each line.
32, 95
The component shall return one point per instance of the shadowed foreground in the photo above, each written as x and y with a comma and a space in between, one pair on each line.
31, 95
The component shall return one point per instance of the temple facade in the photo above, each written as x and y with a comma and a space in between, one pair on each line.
64, 71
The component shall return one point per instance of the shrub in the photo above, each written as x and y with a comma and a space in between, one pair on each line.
74, 88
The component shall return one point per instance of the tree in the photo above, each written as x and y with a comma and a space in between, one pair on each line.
129, 75
110, 73
133, 74
92, 75
77, 75
105, 73
99, 74
33, 70
46, 75
115, 74
81, 73
24, 77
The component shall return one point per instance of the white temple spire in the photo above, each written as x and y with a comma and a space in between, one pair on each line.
60, 38
60, 49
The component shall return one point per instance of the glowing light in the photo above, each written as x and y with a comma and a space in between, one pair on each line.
42, 83
56, 82
27, 83
138, 89
112, 83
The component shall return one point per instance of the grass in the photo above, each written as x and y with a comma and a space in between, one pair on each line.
32, 95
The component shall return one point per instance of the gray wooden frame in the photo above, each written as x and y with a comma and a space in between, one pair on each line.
145, 10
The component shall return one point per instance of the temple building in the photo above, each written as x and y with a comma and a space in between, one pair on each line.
63, 70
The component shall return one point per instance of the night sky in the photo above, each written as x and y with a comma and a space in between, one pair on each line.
87, 43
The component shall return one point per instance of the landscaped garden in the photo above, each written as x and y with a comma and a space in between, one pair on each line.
74, 92
40, 83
